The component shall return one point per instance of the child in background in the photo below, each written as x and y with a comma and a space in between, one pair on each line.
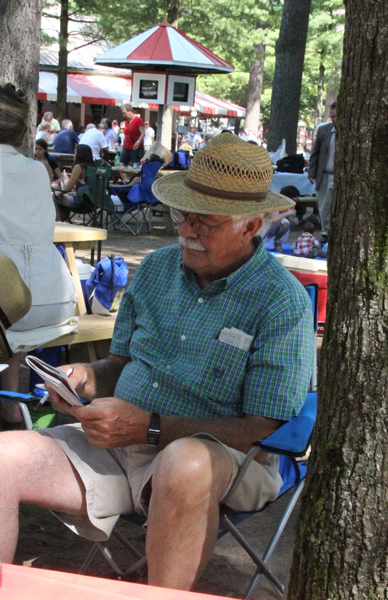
307, 244
278, 232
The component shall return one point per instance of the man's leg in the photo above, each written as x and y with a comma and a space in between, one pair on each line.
34, 470
325, 200
190, 478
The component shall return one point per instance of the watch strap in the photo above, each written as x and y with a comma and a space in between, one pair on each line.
153, 433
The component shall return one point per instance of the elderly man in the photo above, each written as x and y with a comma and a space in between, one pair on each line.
94, 137
321, 169
193, 138
67, 139
178, 402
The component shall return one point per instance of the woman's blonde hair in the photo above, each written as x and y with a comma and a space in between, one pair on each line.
13, 115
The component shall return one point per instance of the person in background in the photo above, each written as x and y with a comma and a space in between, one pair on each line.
149, 136
122, 134
134, 132
307, 244
42, 155
80, 131
279, 230
94, 137
67, 140
44, 133
26, 236
68, 186
115, 126
242, 134
48, 117
208, 136
193, 138
292, 192
321, 170
110, 134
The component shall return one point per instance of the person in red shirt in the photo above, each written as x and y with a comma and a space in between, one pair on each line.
134, 131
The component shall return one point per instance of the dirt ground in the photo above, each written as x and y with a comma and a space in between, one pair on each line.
45, 543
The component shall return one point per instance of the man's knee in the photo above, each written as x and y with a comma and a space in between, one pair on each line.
193, 464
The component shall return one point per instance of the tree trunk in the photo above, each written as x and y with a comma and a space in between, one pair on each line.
319, 107
255, 86
287, 82
62, 62
173, 12
342, 545
19, 55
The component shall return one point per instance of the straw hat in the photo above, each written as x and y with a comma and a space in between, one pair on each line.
15, 300
226, 177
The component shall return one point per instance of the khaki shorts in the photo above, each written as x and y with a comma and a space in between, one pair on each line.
118, 481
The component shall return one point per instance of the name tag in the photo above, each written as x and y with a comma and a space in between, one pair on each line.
235, 337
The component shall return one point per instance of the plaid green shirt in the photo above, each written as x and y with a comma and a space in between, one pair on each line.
170, 327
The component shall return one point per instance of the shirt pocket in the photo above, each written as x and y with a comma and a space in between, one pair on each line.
222, 378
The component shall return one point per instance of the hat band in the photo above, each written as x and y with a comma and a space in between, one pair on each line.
204, 189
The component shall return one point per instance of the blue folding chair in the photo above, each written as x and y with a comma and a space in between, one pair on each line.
290, 442
181, 159
135, 213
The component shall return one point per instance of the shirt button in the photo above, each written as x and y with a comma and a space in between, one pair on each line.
168, 367
183, 337
200, 300
155, 385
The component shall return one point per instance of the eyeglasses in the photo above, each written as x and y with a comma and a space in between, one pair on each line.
199, 226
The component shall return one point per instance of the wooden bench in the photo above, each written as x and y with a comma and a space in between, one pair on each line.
310, 201
168, 222
91, 329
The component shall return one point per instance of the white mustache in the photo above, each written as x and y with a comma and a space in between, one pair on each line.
191, 244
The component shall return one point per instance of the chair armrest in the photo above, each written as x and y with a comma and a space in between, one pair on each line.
294, 437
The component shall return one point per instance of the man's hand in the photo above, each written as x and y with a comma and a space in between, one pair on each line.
112, 423
78, 379
311, 179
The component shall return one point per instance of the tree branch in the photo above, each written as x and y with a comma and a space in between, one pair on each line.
87, 44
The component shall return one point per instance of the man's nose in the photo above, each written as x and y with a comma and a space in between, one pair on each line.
186, 229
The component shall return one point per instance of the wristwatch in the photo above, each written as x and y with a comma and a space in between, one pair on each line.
153, 433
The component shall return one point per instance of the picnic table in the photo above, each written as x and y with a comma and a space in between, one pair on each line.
74, 237
20, 583
65, 161
299, 180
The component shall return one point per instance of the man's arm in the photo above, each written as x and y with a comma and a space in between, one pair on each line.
112, 423
314, 158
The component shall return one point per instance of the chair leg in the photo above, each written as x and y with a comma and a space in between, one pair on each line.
261, 562
106, 553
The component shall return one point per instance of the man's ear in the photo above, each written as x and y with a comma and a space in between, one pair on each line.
252, 227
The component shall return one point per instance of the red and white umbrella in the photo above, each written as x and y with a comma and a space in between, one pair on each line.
164, 48
113, 91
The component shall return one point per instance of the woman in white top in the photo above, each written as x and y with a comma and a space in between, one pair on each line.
26, 234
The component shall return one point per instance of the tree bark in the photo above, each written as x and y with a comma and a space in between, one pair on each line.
19, 55
319, 108
62, 62
173, 12
342, 544
287, 82
255, 86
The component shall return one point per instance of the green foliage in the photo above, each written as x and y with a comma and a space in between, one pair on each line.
324, 47
232, 29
